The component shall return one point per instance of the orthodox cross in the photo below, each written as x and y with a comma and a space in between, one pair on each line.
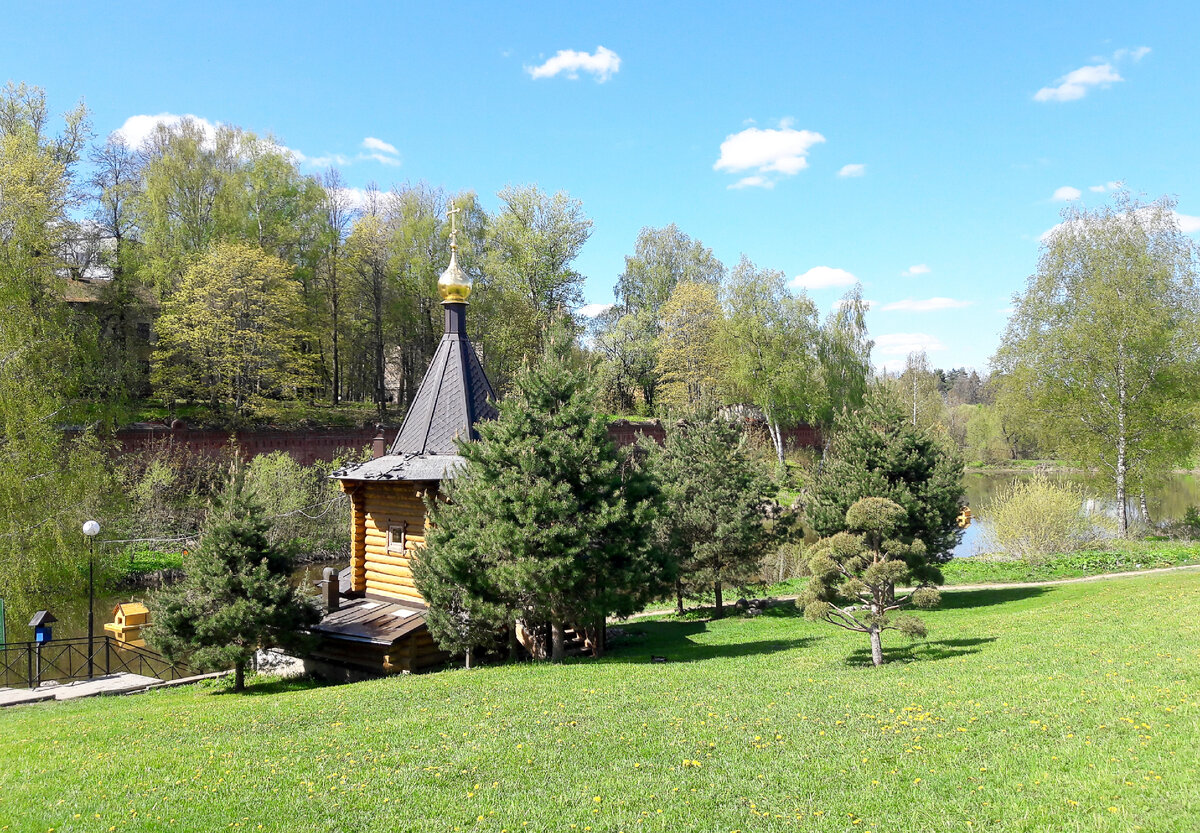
450, 212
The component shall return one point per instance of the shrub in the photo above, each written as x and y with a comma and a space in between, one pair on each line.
1033, 518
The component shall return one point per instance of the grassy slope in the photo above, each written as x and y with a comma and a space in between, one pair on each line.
1072, 708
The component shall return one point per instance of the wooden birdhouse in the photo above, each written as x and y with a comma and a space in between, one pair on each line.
127, 623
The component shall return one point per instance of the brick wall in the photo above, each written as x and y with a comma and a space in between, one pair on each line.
308, 445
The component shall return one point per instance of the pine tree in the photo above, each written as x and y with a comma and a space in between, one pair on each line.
877, 452
855, 573
546, 522
236, 597
714, 527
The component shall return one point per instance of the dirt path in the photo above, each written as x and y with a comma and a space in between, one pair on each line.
1010, 585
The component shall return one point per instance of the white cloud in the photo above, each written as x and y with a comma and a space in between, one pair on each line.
593, 310
137, 129
1187, 223
917, 269
379, 151
1076, 83
755, 181
823, 277
1108, 186
925, 305
1133, 54
781, 150
371, 143
1066, 194
901, 344
855, 169
602, 64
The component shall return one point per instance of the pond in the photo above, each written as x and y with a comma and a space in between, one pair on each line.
1167, 499
72, 616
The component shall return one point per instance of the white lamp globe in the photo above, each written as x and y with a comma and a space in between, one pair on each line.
91, 529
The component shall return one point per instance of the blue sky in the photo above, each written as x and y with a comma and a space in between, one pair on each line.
967, 120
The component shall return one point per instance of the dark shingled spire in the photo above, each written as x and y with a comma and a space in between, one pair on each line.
454, 395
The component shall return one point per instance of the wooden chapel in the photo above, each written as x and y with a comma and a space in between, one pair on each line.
375, 621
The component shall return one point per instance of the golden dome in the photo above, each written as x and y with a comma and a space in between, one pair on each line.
454, 285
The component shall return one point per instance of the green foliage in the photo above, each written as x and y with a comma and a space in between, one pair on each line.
1191, 520
877, 452
770, 350
1034, 518
236, 597
689, 359
861, 568
1118, 556
233, 330
546, 523
49, 483
308, 511
713, 527
1103, 350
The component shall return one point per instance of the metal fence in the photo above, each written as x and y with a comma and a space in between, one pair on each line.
29, 664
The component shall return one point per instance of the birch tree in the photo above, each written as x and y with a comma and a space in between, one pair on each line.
1103, 348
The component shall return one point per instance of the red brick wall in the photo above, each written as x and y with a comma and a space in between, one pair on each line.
308, 445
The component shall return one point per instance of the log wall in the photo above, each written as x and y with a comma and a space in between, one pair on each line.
376, 569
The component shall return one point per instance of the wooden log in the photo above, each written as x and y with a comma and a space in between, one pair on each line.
395, 559
390, 578
388, 588
390, 569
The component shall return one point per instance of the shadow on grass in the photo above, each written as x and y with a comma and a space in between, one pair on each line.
920, 651
258, 685
672, 640
953, 599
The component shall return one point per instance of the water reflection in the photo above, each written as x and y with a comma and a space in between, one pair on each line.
1167, 499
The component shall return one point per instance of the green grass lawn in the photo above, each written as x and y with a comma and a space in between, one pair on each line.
1049, 709
1117, 557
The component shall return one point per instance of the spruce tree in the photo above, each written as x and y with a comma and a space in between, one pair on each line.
855, 573
714, 525
876, 451
237, 595
546, 523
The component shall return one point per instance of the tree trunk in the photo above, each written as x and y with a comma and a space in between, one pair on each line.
679, 597
1145, 508
557, 641
720, 602
777, 438
1122, 465
239, 676
876, 646
467, 659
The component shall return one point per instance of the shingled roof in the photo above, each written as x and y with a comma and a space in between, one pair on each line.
454, 395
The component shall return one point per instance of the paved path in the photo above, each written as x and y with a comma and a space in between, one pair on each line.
120, 683
1011, 585
110, 684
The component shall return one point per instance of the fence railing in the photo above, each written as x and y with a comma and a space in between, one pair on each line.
29, 664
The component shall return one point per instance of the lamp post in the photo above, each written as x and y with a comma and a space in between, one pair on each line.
91, 529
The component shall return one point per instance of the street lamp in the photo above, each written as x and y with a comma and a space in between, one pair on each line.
91, 529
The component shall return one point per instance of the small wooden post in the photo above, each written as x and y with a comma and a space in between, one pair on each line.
329, 590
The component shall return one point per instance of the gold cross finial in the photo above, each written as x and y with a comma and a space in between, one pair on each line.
450, 212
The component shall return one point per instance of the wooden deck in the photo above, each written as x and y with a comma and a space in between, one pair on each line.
374, 636
371, 620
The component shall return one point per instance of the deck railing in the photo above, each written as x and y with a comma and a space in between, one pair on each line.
29, 664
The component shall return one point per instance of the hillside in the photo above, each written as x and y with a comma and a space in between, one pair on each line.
1066, 708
